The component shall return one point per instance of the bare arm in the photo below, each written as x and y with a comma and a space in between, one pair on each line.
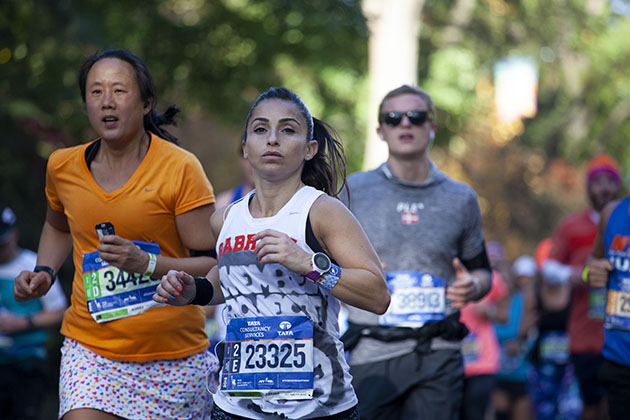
48, 318
362, 282
12, 323
194, 231
178, 287
530, 311
55, 244
598, 266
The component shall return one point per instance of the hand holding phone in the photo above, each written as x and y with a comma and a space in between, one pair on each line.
105, 228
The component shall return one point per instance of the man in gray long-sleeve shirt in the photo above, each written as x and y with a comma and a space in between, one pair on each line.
426, 229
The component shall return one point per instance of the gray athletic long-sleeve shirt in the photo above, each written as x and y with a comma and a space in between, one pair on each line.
413, 227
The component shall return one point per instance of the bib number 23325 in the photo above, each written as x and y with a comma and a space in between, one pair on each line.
269, 357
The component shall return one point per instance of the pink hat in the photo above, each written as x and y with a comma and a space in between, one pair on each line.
602, 164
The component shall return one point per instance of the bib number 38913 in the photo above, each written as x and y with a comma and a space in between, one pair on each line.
416, 298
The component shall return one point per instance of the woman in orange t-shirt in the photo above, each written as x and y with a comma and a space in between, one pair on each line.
131, 205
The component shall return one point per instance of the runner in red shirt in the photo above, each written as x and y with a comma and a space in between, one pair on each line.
573, 240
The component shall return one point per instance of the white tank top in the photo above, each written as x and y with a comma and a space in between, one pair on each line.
254, 290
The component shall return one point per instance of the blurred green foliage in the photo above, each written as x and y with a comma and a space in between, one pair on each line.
212, 56
215, 57
527, 175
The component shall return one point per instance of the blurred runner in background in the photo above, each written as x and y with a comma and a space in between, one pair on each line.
573, 241
22, 329
510, 397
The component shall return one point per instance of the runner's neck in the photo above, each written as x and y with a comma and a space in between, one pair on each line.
415, 171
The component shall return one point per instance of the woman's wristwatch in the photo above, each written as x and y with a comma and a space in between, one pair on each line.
324, 272
321, 265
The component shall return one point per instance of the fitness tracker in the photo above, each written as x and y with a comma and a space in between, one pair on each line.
321, 265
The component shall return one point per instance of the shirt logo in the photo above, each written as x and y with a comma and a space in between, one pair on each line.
239, 243
409, 218
409, 212
620, 243
619, 253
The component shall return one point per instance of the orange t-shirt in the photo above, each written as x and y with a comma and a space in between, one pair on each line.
168, 182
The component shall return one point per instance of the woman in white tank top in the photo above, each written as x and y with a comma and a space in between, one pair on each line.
289, 252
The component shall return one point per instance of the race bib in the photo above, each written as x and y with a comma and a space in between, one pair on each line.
113, 294
416, 298
553, 347
618, 310
471, 348
269, 357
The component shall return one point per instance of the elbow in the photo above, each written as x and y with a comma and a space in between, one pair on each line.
382, 303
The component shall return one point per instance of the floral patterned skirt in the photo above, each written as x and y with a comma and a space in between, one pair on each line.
159, 389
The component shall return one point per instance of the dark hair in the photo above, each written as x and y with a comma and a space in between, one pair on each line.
328, 165
413, 90
152, 121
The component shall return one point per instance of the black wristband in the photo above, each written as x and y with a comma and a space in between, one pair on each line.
205, 292
47, 269
203, 253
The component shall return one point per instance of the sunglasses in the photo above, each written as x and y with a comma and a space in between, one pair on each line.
393, 118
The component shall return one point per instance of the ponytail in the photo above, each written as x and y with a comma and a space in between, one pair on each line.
153, 121
328, 166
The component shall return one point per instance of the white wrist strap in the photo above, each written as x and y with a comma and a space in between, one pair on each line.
477, 282
151, 267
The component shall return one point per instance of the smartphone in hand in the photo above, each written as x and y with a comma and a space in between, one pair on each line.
105, 228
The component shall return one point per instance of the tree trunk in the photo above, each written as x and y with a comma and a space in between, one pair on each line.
393, 60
